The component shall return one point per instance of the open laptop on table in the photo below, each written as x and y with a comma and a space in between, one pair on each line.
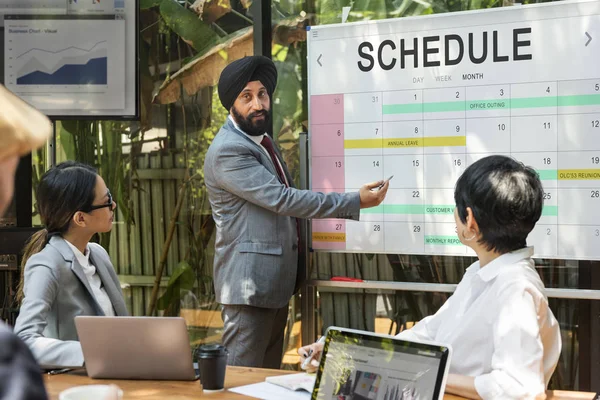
156, 348
360, 365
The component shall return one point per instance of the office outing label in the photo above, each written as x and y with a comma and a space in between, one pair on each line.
422, 98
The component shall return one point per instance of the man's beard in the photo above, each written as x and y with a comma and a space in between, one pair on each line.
249, 126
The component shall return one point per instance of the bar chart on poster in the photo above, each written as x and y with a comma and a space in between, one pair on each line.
422, 98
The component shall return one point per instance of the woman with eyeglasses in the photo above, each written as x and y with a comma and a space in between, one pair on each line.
63, 274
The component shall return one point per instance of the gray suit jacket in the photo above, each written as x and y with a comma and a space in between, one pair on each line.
256, 248
56, 291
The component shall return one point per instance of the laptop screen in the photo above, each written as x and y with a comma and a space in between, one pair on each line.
363, 366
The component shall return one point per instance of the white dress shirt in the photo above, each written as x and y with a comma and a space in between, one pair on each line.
500, 328
258, 140
94, 280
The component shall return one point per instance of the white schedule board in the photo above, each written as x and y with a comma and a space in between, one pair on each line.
422, 98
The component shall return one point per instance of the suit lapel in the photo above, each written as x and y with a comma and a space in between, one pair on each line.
64, 249
264, 158
78, 271
112, 291
101, 268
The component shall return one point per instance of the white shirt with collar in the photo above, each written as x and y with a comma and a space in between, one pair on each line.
93, 279
500, 328
258, 140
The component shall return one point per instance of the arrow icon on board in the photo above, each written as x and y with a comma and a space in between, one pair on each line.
321, 55
589, 39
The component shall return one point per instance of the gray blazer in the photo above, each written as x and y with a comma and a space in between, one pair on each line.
256, 248
56, 291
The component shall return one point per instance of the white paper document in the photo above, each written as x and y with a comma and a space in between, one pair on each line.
268, 391
302, 381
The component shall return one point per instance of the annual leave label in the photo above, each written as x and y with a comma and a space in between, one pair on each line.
391, 143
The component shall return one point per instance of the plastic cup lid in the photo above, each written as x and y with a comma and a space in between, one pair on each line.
212, 350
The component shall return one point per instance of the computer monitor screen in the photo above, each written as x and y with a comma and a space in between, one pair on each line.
358, 365
73, 58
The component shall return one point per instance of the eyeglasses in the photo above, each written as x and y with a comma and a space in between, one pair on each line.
108, 204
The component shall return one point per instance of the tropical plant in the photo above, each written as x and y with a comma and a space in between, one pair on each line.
173, 34
100, 143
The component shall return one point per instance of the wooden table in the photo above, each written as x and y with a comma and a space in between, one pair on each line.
235, 376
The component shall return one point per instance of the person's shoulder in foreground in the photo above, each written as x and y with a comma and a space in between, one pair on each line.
20, 376
22, 127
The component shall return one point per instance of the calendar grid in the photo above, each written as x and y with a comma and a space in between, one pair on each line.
533, 93
510, 116
557, 226
434, 145
423, 158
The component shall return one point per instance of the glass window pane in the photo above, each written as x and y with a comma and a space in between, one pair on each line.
150, 165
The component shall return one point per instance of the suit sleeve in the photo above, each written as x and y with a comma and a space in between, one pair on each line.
237, 170
40, 289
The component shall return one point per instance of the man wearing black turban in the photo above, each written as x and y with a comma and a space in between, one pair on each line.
255, 207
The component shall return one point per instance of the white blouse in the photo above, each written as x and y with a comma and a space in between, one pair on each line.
500, 328
94, 280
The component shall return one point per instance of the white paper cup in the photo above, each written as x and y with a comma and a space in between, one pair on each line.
92, 392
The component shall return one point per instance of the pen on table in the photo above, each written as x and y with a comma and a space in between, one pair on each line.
311, 354
59, 371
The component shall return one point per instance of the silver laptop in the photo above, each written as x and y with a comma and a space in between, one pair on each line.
156, 348
361, 365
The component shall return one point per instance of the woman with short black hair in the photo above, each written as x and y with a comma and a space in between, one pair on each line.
505, 340
503, 198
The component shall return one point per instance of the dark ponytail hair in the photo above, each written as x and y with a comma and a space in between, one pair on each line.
63, 190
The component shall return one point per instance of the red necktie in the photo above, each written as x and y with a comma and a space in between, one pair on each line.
268, 145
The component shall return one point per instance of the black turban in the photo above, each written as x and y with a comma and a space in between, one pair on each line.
236, 76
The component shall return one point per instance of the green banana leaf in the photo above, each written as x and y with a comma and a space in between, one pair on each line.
146, 4
330, 11
204, 68
182, 279
187, 25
